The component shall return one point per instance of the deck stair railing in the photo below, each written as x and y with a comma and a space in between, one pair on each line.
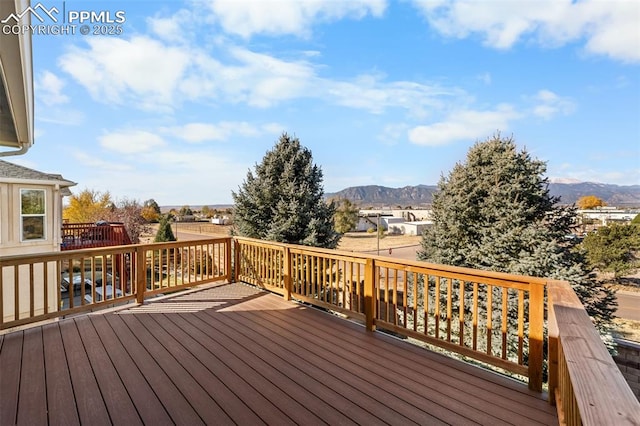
498, 319
89, 235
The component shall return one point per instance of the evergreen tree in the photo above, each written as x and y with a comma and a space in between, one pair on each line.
284, 200
165, 233
494, 212
614, 249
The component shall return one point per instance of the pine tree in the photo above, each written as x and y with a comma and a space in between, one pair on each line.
165, 233
284, 200
495, 212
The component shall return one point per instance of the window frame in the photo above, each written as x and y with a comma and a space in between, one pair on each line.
42, 215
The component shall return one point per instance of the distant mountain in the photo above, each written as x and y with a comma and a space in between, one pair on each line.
569, 193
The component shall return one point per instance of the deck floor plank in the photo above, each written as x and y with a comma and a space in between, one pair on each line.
230, 403
207, 408
149, 407
32, 405
91, 407
117, 400
233, 354
249, 369
251, 400
295, 386
170, 397
10, 366
61, 405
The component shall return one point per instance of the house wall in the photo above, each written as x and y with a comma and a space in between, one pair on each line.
10, 224
11, 244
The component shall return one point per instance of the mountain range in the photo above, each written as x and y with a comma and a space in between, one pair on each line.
569, 193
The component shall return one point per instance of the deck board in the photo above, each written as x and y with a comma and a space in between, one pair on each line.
10, 367
32, 405
60, 402
169, 395
231, 354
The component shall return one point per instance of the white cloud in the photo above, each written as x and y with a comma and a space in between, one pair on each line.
176, 28
186, 73
605, 27
118, 70
288, 16
464, 125
49, 89
370, 93
549, 104
131, 142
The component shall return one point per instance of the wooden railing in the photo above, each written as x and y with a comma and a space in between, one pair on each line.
491, 317
77, 236
584, 381
34, 288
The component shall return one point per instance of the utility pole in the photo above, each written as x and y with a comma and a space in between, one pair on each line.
378, 234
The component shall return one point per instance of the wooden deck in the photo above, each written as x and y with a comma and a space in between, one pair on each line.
231, 354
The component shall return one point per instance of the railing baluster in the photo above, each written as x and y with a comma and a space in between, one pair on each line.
475, 316
504, 314
461, 313
489, 318
449, 307
437, 310
520, 325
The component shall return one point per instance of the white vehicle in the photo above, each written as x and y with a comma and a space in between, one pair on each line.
100, 294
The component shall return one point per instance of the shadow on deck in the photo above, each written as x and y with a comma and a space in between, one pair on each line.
233, 354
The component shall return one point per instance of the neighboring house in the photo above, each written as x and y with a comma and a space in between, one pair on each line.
30, 210
16, 83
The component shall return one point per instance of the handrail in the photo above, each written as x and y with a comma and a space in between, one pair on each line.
88, 235
584, 381
50, 285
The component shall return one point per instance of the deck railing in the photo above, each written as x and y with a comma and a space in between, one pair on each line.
584, 381
77, 236
34, 288
495, 318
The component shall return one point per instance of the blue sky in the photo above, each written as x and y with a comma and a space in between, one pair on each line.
192, 94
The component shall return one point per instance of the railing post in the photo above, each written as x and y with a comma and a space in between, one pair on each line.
536, 335
552, 349
369, 290
236, 260
141, 273
287, 273
227, 259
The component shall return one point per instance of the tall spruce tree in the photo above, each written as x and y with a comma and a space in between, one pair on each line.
494, 212
284, 200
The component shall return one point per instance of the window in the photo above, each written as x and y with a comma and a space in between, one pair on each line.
32, 214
